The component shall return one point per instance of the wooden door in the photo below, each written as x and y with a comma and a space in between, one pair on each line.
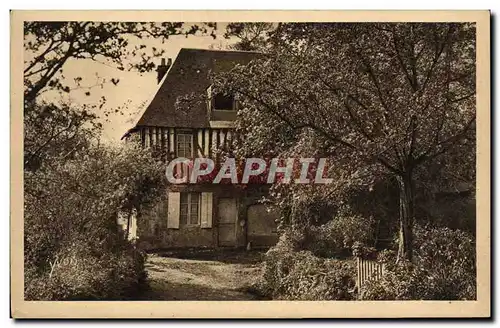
261, 230
227, 218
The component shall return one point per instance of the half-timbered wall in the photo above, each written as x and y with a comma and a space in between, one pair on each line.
160, 227
205, 141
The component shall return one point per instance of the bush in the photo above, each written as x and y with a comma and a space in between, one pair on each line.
449, 257
338, 236
71, 218
77, 274
444, 269
299, 275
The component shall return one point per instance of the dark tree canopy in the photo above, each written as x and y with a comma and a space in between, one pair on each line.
251, 36
379, 99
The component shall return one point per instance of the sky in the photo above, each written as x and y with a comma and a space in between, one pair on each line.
133, 90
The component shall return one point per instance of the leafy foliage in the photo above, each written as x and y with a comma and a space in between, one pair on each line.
338, 236
80, 272
380, 99
444, 269
49, 45
252, 36
299, 275
333, 238
72, 246
74, 186
56, 132
383, 101
79, 198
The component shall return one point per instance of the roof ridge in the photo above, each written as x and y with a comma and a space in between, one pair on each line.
222, 50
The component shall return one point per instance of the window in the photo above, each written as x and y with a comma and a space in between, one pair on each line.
223, 102
184, 145
190, 208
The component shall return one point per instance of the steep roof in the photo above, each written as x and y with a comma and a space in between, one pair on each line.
188, 74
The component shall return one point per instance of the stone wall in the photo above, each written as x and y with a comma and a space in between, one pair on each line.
152, 224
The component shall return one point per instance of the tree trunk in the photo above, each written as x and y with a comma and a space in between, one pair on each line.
406, 213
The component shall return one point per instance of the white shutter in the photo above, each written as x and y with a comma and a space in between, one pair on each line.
206, 209
174, 204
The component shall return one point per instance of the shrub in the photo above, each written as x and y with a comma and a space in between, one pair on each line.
77, 274
338, 236
444, 269
449, 257
299, 275
71, 215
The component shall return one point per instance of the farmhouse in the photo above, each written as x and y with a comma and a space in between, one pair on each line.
198, 215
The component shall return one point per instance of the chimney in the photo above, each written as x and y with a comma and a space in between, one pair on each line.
163, 68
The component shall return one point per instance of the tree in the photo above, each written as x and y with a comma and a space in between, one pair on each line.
252, 36
75, 186
379, 99
73, 189
70, 212
56, 132
49, 46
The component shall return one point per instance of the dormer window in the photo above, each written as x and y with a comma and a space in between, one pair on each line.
224, 102
221, 101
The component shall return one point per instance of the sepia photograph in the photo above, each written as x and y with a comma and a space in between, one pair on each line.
269, 160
